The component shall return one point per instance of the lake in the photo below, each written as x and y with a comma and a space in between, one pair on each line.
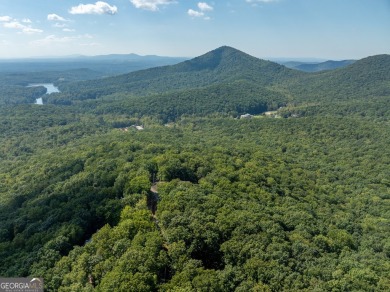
50, 89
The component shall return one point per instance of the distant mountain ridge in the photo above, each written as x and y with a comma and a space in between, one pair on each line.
316, 67
108, 65
72, 58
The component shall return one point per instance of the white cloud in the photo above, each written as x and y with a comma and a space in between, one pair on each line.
14, 24
30, 30
261, 1
89, 44
99, 7
26, 20
52, 39
55, 17
204, 6
264, 1
151, 4
68, 30
60, 25
23, 28
195, 13
5, 18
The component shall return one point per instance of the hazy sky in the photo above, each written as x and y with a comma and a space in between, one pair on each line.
330, 29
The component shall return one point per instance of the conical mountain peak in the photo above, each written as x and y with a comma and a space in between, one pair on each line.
220, 57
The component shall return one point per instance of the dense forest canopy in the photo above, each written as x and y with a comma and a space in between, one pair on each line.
295, 198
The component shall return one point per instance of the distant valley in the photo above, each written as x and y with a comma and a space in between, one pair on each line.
105, 65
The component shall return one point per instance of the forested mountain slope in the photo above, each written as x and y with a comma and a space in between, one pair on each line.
224, 64
233, 99
366, 78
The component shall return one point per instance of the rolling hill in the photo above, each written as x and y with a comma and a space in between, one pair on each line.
366, 78
233, 99
318, 66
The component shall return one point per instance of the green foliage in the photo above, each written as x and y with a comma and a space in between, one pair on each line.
297, 203
233, 98
13, 94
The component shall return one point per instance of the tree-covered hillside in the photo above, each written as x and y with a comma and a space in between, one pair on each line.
197, 200
233, 99
367, 78
222, 65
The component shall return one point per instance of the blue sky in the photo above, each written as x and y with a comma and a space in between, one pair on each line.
329, 29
